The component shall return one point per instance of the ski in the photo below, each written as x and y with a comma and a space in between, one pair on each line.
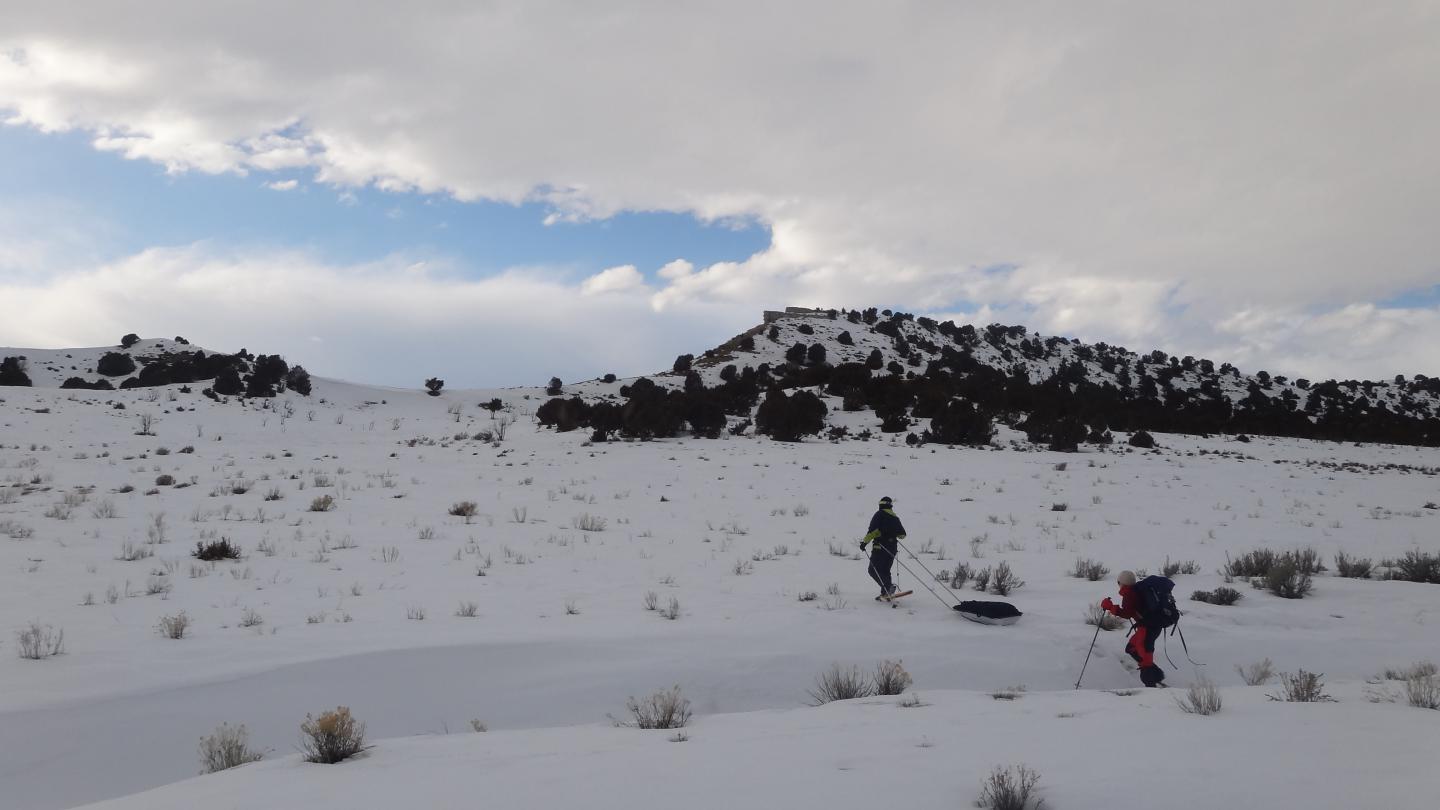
892, 597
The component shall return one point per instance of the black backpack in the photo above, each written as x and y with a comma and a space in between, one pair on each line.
1157, 602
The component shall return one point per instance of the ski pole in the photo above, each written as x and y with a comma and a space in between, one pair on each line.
927, 570
919, 579
922, 583
1087, 656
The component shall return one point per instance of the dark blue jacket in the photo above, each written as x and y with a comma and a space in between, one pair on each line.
885, 527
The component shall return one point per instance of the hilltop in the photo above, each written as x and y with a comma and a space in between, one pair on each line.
854, 374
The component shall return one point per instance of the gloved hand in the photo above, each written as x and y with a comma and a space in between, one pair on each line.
1108, 605
863, 544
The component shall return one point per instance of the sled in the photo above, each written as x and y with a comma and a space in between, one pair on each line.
999, 613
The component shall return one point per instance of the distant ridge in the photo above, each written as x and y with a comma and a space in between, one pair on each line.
858, 374
892, 372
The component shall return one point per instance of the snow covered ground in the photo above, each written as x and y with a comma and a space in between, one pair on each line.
357, 606
1091, 749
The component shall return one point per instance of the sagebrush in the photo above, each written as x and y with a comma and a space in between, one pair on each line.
891, 678
840, 683
227, 748
1009, 788
1201, 698
333, 737
664, 709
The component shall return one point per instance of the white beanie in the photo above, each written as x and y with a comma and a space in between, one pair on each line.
1126, 578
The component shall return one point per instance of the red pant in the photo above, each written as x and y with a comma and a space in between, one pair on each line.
1141, 647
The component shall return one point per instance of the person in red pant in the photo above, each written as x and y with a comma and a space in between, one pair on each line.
1141, 645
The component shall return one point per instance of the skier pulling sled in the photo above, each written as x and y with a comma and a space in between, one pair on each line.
886, 531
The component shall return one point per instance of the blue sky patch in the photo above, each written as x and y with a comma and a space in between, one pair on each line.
134, 205
1422, 298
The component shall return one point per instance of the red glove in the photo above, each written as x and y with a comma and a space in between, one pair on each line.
1108, 605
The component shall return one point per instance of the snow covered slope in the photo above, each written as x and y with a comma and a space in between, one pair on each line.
914, 342
362, 604
866, 754
49, 368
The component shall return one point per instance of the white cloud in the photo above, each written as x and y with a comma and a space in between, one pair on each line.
381, 321
675, 270
624, 278
1150, 171
283, 185
392, 322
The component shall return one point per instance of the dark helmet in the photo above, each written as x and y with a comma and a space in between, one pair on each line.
885, 502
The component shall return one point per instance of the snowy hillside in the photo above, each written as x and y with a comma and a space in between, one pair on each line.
852, 374
364, 579
913, 342
50, 368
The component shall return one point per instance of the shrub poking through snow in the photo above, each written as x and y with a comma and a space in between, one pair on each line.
1255, 563
1097, 616
465, 509
1353, 567
1288, 581
891, 678
324, 503
1417, 566
1005, 580
1302, 687
587, 522
1306, 561
839, 683
671, 610
1258, 673
1011, 788
1220, 596
1419, 669
227, 748
332, 737
214, 550
981, 579
1201, 698
173, 627
1422, 687
39, 641
1093, 570
664, 709
1170, 569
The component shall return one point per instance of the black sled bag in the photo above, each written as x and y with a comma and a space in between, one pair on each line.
1001, 613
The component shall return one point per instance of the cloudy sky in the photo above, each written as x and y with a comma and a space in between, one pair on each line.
498, 192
